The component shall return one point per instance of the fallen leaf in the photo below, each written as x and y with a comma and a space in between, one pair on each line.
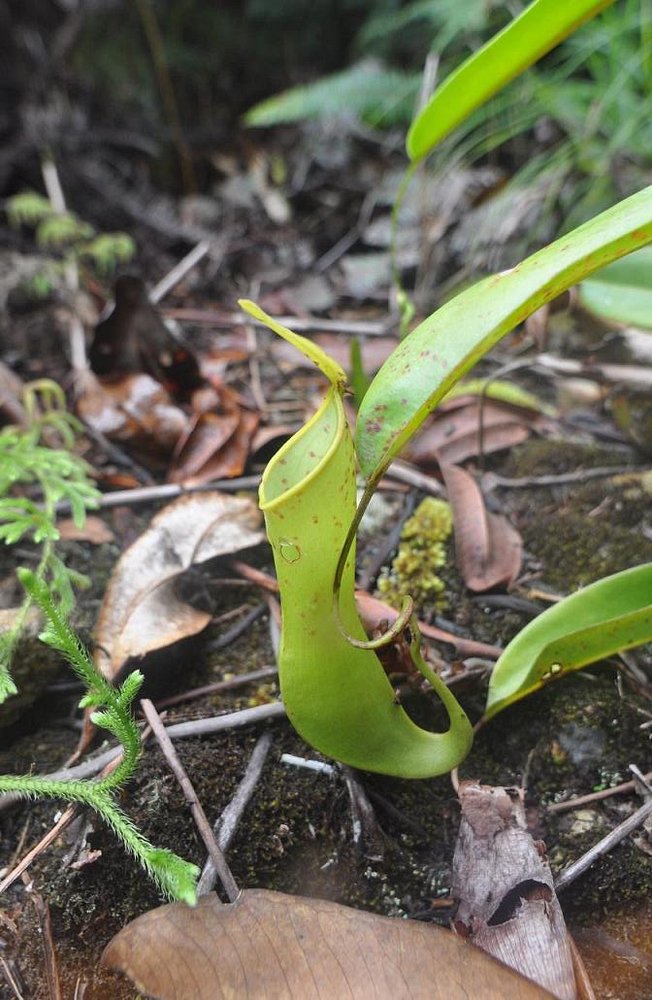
231, 459
135, 409
218, 444
452, 437
94, 530
618, 951
141, 611
487, 548
507, 901
267, 944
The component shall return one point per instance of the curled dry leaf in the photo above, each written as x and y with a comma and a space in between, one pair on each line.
141, 611
507, 901
218, 443
487, 548
267, 945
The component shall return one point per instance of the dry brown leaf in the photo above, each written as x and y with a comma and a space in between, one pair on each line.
141, 611
487, 548
95, 530
268, 945
231, 459
455, 435
133, 408
507, 900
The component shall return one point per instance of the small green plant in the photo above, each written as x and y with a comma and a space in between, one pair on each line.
67, 236
111, 711
33, 456
333, 684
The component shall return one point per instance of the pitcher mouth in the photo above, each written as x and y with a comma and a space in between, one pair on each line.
302, 458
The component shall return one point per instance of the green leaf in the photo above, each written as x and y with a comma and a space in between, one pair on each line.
432, 359
29, 207
367, 89
536, 31
608, 616
622, 292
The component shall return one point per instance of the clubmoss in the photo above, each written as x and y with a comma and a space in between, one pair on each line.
421, 551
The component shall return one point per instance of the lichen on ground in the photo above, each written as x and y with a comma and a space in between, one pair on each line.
422, 550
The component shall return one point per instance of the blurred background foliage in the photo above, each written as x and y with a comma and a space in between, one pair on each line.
145, 71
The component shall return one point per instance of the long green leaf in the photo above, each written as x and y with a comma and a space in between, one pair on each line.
536, 31
428, 363
608, 616
623, 291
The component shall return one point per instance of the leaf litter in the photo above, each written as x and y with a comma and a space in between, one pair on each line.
141, 611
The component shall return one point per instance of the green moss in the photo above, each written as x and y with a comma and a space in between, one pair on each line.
421, 551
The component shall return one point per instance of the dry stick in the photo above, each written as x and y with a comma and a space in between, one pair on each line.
219, 861
585, 800
227, 685
47, 941
64, 820
179, 271
238, 629
405, 473
167, 491
76, 338
12, 976
493, 479
604, 846
211, 317
179, 731
227, 824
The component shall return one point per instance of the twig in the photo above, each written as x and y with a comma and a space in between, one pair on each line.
76, 338
179, 271
199, 816
47, 942
633, 374
347, 241
405, 473
255, 576
604, 846
227, 685
366, 832
228, 822
237, 630
179, 731
303, 324
117, 455
64, 820
167, 491
584, 800
491, 479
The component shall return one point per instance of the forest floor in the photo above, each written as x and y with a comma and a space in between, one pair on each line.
571, 480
